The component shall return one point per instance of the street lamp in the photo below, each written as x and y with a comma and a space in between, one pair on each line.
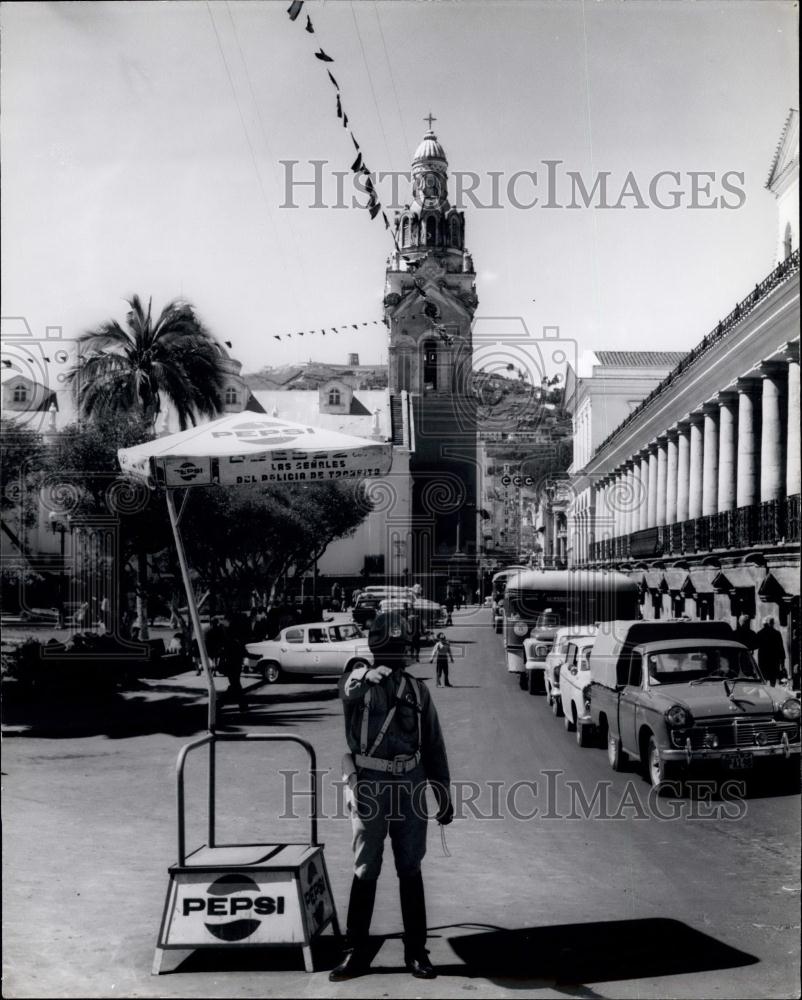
59, 524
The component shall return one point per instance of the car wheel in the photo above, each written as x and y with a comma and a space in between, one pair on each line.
615, 755
584, 735
568, 722
659, 772
556, 706
271, 671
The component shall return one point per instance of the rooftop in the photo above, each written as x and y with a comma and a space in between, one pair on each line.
640, 359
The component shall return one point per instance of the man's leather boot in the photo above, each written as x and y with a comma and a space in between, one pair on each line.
413, 913
356, 960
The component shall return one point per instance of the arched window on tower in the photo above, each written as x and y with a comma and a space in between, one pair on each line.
454, 231
334, 397
404, 369
405, 232
20, 393
430, 366
431, 231
787, 242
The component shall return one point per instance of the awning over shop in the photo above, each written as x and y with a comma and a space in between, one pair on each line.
731, 578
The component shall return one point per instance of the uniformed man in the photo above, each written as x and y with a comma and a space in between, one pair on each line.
396, 747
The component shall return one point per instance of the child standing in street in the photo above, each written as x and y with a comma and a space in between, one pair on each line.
442, 650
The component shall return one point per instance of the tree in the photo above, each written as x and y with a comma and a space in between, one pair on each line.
22, 450
240, 538
139, 367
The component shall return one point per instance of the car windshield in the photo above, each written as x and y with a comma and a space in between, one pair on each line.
548, 619
695, 664
341, 633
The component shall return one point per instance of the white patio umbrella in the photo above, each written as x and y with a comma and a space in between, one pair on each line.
241, 449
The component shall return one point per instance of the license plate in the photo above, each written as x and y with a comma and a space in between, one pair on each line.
737, 761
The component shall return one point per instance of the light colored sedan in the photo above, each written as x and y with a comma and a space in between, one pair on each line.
555, 659
315, 648
575, 689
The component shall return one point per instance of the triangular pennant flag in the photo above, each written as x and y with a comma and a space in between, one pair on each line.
309, 27
369, 183
276, 337
300, 334
345, 120
339, 107
334, 328
374, 210
321, 55
353, 140
386, 226
294, 8
323, 332
357, 164
364, 324
332, 79
355, 326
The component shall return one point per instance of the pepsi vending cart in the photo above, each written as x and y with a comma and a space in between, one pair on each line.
244, 895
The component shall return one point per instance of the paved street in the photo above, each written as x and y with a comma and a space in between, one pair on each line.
627, 906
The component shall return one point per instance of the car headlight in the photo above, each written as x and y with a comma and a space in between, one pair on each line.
790, 709
520, 628
678, 715
541, 650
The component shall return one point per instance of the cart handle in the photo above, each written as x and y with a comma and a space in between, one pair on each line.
211, 739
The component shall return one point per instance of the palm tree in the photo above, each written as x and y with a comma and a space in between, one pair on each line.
136, 368
142, 366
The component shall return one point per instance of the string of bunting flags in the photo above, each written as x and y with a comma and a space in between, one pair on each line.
328, 329
359, 167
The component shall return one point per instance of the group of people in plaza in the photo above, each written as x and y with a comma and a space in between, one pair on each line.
767, 644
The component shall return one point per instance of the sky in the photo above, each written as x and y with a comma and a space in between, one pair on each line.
142, 148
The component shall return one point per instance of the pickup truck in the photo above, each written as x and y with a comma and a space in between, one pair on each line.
671, 693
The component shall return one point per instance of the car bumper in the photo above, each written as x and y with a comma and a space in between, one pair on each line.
538, 665
515, 661
691, 756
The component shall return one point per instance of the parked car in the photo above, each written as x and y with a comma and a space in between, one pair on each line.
366, 609
575, 689
553, 662
672, 693
314, 648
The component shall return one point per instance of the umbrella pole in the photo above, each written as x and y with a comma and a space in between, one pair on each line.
193, 608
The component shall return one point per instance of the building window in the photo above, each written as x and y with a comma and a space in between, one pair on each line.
787, 243
405, 233
430, 365
231, 396
20, 394
455, 232
431, 231
334, 397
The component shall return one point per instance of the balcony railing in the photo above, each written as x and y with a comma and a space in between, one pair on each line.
774, 522
781, 273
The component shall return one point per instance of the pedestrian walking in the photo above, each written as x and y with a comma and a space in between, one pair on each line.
214, 643
232, 653
396, 747
442, 651
770, 652
449, 607
413, 618
744, 634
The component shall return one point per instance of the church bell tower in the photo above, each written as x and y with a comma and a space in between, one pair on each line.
429, 303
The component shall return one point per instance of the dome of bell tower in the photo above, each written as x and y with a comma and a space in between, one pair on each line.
429, 149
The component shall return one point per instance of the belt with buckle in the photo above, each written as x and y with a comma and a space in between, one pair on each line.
395, 765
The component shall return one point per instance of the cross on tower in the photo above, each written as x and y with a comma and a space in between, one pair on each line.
430, 118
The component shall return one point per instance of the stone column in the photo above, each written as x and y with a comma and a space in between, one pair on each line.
727, 435
643, 507
619, 490
662, 472
651, 502
671, 477
683, 469
710, 459
772, 457
696, 466
792, 465
630, 488
748, 459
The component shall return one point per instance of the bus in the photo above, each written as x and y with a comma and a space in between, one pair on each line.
497, 588
538, 602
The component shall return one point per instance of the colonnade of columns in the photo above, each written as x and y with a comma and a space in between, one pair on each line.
740, 448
